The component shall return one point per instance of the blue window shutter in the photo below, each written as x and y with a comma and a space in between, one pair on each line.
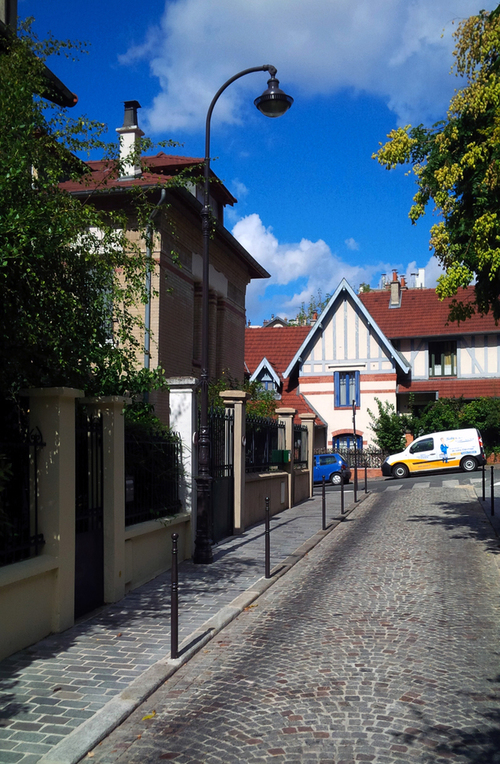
358, 401
336, 388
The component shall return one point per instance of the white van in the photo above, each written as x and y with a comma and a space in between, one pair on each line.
438, 451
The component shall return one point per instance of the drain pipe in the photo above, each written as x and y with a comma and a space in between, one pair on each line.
149, 256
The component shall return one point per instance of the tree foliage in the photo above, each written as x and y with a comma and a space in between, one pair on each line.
389, 427
316, 305
70, 275
456, 163
444, 414
262, 402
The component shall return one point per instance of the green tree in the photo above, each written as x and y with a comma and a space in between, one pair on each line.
262, 402
456, 163
389, 427
70, 275
317, 304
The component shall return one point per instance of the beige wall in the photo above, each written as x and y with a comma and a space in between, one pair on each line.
257, 487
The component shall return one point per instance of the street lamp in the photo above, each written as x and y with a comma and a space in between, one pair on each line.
272, 103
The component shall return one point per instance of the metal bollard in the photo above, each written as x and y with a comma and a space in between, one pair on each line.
366, 479
492, 491
355, 483
323, 504
342, 497
484, 482
174, 601
267, 536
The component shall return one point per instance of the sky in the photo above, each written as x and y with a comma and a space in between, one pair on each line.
313, 205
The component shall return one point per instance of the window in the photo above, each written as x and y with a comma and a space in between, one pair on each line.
346, 388
422, 445
267, 382
443, 359
346, 440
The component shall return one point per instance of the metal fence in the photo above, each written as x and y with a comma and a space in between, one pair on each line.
265, 438
365, 457
301, 445
19, 535
152, 475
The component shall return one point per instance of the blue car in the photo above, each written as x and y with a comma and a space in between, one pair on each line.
333, 467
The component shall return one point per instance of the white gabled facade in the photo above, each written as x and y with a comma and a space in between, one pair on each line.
346, 357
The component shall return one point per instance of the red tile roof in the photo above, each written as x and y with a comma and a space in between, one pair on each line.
158, 168
278, 345
422, 314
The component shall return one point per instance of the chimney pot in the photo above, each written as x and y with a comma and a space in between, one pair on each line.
130, 116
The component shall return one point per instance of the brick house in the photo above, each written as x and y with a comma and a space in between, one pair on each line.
384, 344
176, 311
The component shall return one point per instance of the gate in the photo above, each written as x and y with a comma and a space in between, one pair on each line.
221, 423
89, 539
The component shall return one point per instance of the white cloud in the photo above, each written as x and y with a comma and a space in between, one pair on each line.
299, 271
351, 244
388, 48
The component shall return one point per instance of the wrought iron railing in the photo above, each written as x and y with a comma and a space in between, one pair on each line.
20, 538
152, 475
265, 441
365, 457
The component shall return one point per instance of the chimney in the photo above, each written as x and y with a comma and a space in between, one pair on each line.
130, 141
395, 298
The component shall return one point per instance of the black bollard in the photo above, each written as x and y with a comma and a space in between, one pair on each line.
355, 483
492, 491
484, 482
342, 497
267, 536
323, 504
366, 479
174, 601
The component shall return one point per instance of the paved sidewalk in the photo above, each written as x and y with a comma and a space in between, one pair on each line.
59, 697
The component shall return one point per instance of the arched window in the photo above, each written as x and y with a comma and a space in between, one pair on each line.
346, 440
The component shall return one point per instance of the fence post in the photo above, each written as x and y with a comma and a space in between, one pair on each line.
341, 497
366, 479
236, 399
52, 410
323, 504
183, 419
484, 481
267, 536
492, 491
286, 415
308, 421
174, 601
355, 484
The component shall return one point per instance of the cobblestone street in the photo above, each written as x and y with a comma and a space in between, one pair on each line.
381, 645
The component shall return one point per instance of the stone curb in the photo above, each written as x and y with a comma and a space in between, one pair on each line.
80, 741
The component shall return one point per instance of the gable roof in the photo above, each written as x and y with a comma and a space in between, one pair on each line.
345, 287
423, 314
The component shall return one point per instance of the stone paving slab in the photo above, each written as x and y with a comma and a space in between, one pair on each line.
74, 680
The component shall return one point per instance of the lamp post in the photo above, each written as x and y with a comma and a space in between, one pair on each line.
272, 103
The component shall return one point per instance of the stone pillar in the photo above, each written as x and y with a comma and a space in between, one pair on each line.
308, 421
113, 444
237, 399
53, 411
184, 421
286, 415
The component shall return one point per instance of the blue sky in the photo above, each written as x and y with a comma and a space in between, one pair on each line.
313, 206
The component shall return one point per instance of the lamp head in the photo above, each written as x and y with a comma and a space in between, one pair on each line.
273, 102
